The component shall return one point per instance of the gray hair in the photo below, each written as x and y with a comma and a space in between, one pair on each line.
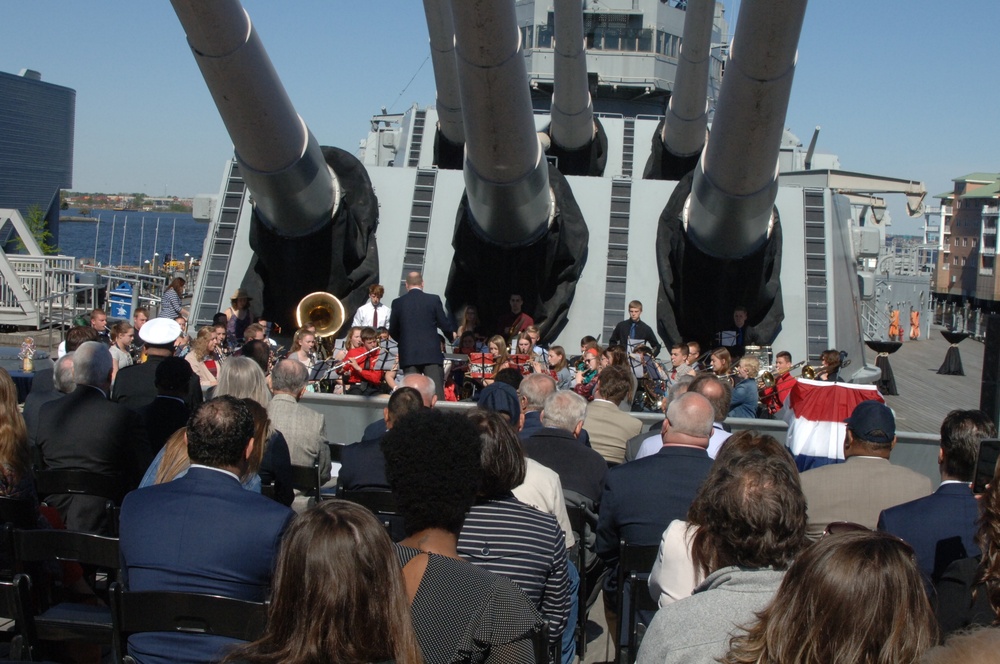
288, 376
679, 387
536, 388
62, 374
243, 378
564, 409
692, 414
92, 364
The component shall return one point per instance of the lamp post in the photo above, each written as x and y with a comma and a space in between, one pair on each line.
149, 270
155, 256
187, 267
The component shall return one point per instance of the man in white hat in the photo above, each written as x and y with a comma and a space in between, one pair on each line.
135, 386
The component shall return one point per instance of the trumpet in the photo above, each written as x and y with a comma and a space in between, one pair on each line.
810, 373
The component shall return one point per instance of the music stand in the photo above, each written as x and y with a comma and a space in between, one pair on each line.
521, 362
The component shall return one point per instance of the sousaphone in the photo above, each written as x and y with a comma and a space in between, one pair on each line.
323, 310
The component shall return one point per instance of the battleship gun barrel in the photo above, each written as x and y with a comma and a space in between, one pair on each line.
572, 110
506, 174
730, 210
687, 111
294, 190
441, 28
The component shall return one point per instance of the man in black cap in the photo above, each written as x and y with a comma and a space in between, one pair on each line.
866, 483
135, 386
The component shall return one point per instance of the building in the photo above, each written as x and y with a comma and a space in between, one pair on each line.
966, 266
37, 122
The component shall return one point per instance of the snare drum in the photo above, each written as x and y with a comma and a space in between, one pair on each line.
481, 365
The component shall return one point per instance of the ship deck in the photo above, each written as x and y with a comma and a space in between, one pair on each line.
924, 396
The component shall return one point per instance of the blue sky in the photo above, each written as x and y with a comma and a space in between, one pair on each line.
900, 87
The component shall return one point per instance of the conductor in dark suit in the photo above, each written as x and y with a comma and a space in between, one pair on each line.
416, 318
202, 532
85, 431
941, 527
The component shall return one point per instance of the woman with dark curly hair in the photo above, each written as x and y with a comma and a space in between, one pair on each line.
338, 568
752, 524
851, 598
460, 613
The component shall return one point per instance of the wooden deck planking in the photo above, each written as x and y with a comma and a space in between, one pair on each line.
925, 397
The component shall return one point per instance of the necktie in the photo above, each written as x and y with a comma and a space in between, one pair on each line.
374, 318
631, 332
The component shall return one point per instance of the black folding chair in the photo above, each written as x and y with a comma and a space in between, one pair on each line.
50, 482
578, 524
336, 451
382, 503
15, 603
638, 559
642, 603
307, 479
18, 512
540, 643
182, 613
66, 621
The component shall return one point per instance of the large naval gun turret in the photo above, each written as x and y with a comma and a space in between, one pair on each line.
524, 176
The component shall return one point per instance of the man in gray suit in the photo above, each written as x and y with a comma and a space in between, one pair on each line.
303, 428
866, 483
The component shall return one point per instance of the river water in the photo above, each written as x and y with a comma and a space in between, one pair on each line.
131, 238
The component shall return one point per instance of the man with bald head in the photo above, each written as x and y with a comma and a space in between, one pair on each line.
642, 497
416, 318
422, 384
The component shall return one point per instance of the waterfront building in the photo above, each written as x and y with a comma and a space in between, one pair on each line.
966, 266
37, 122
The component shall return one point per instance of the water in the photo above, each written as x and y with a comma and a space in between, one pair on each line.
127, 238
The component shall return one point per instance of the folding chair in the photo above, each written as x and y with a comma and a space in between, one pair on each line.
307, 479
15, 603
66, 621
637, 558
382, 503
182, 613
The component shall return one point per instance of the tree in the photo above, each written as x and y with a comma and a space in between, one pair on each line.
36, 224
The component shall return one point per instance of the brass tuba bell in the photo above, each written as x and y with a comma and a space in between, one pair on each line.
323, 310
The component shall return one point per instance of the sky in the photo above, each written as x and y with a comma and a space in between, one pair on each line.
901, 88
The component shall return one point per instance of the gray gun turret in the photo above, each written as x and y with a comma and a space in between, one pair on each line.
678, 144
518, 222
450, 138
308, 200
719, 240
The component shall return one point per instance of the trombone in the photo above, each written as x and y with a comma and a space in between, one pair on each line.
768, 379
810, 373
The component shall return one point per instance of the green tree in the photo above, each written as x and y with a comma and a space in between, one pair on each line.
36, 224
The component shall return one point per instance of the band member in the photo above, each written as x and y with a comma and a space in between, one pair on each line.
744, 401
830, 371
360, 376
774, 397
721, 362
633, 328
678, 363
694, 354
515, 321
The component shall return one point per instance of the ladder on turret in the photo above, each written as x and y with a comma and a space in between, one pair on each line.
210, 296
420, 224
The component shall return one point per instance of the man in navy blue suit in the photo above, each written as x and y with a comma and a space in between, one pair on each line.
941, 527
416, 318
642, 497
202, 532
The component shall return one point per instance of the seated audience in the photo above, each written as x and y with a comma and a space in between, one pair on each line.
135, 386
968, 592
303, 428
461, 613
608, 426
168, 412
202, 532
976, 646
243, 379
674, 575
62, 384
362, 465
507, 537
752, 525
336, 566
850, 598
941, 527
866, 483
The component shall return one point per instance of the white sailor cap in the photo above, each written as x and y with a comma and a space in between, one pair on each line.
160, 331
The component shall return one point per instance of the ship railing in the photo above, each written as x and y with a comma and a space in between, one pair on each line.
37, 278
147, 288
874, 322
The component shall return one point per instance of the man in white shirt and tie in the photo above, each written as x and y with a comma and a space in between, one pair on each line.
373, 313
